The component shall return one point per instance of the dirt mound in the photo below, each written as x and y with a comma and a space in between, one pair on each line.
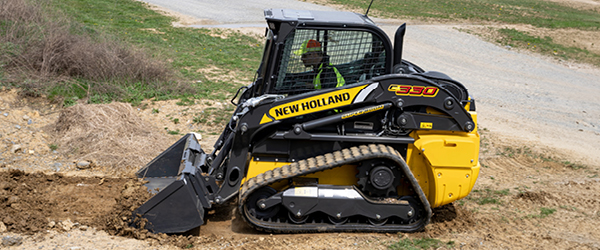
450, 218
32, 202
119, 219
540, 197
36, 202
111, 135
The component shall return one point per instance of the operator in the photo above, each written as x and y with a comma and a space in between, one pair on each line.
327, 76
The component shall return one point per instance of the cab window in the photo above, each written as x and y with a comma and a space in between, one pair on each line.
315, 59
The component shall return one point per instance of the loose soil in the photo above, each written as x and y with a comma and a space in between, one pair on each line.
524, 198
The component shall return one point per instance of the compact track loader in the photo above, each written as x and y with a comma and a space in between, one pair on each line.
357, 139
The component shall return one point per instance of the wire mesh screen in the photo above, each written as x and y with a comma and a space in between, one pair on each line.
319, 59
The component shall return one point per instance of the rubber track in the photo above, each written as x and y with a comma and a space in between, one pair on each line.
346, 156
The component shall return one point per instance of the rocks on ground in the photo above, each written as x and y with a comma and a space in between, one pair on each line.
8, 241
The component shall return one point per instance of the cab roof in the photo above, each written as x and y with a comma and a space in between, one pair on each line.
313, 16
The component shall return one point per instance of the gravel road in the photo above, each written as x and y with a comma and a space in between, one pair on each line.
518, 95
231, 13
535, 100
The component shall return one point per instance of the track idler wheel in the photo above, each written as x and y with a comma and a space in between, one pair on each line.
337, 221
416, 213
253, 207
376, 222
297, 220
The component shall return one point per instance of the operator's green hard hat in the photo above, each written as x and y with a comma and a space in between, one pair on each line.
309, 45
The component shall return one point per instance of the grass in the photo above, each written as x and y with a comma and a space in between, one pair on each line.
544, 212
574, 166
570, 208
186, 101
212, 116
546, 46
535, 12
182, 51
526, 151
188, 49
423, 243
538, 13
173, 132
488, 196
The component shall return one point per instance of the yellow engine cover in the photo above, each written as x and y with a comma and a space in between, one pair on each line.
446, 164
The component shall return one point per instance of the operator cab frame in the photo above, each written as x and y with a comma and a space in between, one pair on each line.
351, 43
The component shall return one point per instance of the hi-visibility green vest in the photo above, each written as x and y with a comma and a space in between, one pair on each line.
317, 80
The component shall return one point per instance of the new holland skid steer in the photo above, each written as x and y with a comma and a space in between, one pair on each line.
336, 133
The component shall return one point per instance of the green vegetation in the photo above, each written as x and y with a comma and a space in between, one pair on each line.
214, 116
574, 166
512, 152
488, 196
150, 58
173, 132
570, 208
526, 151
545, 45
538, 13
189, 49
53, 146
186, 101
544, 212
535, 12
423, 243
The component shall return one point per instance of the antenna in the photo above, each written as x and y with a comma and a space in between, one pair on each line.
366, 14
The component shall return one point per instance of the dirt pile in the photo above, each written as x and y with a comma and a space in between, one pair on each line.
110, 135
33, 202
450, 219
38, 135
540, 197
118, 222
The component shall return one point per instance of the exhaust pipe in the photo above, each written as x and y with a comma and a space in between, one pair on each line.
182, 192
398, 44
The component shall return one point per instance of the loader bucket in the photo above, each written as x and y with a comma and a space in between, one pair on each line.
182, 193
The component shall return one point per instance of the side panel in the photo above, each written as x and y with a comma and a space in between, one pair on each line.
445, 163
